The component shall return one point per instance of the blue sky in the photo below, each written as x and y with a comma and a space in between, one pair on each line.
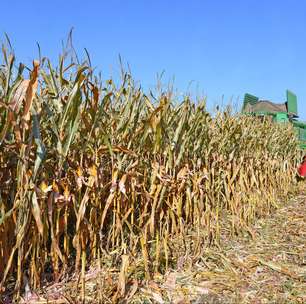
210, 47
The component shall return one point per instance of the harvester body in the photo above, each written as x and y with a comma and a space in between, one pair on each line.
280, 112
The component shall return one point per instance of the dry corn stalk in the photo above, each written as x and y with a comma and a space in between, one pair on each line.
102, 168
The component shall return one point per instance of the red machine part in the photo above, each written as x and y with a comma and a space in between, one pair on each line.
302, 168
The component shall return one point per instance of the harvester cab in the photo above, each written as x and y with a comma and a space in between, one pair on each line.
281, 113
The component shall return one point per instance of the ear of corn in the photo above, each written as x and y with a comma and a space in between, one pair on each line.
89, 167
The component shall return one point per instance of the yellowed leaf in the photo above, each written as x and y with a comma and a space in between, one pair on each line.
31, 90
123, 274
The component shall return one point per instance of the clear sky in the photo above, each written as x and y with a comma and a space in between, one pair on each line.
211, 47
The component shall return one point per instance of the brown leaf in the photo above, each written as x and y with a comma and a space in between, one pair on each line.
171, 281
132, 291
158, 298
37, 214
19, 96
31, 90
122, 275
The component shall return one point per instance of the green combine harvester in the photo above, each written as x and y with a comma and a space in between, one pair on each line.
279, 112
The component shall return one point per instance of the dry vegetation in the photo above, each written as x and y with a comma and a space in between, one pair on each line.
268, 268
90, 170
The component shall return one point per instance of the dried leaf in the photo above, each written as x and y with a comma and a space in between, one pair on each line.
31, 90
123, 275
37, 213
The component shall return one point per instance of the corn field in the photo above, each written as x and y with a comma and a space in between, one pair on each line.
89, 167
